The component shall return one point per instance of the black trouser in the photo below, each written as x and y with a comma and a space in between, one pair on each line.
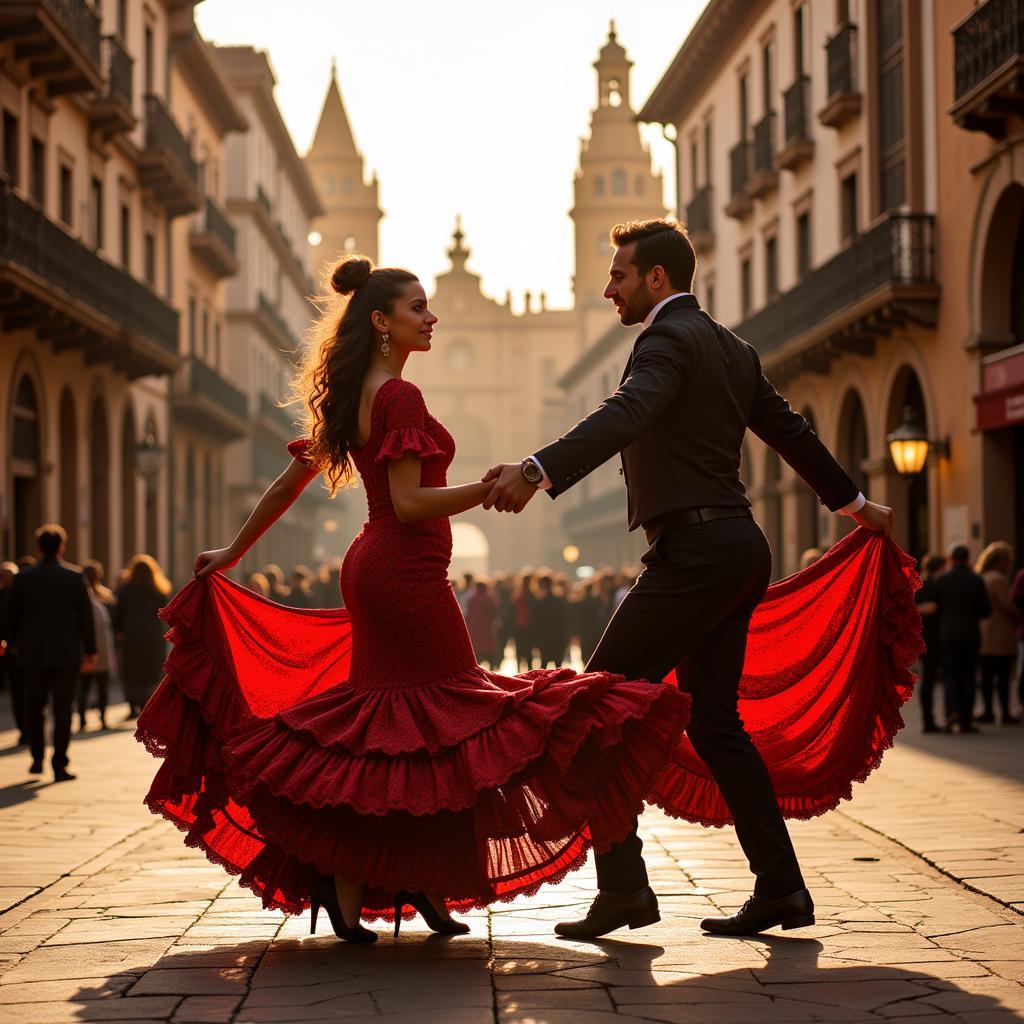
84, 687
931, 662
959, 666
57, 685
996, 670
10, 670
690, 610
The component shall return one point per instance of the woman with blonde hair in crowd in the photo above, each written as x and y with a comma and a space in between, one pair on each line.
143, 592
998, 632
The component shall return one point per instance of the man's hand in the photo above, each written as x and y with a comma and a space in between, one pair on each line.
89, 662
874, 517
511, 491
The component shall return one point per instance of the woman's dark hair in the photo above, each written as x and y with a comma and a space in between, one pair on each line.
330, 379
659, 243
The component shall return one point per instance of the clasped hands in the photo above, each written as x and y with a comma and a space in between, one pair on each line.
510, 490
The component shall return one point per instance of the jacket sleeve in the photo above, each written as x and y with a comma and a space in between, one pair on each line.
984, 604
657, 371
773, 420
86, 622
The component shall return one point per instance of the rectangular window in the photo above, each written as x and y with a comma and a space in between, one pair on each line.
12, 161
191, 324
803, 245
147, 59
122, 19
216, 344
799, 16
771, 268
96, 212
37, 171
891, 111
707, 152
150, 257
744, 105
67, 195
767, 59
206, 334
843, 11
126, 236
693, 165
746, 298
848, 208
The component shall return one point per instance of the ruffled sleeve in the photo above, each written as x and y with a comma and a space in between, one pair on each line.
299, 450
405, 425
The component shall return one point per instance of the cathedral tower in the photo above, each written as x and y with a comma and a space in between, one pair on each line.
350, 223
614, 183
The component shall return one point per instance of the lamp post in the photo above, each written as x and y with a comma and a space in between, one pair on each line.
148, 457
909, 445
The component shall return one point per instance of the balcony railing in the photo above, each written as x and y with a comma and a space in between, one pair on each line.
989, 66
796, 142
58, 41
844, 99
765, 177
277, 322
899, 251
280, 418
143, 330
111, 108
741, 158
699, 219
213, 238
210, 403
263, 199
167, 165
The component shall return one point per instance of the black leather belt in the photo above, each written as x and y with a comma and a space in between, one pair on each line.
688, 516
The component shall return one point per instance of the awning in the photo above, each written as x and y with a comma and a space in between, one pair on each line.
1001, 402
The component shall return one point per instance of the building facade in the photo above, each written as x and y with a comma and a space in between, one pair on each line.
825, 160
95, 174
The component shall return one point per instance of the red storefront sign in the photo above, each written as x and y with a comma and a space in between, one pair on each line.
1001, 403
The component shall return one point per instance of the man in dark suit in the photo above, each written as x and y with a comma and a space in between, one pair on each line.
49, 622
690, 391
962, 602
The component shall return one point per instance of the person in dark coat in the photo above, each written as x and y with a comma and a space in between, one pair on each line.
550, 623
931, 660
49, 622
139, 630
10, 673
962, 602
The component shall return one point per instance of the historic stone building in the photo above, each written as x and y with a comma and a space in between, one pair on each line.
95, 174
855, 202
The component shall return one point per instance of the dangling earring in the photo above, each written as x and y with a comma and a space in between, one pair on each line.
385, 348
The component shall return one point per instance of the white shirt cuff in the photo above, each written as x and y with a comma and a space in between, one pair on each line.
545, 482
855, 506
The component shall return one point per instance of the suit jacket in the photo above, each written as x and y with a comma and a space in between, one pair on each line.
690, 391
963, 603
49, 617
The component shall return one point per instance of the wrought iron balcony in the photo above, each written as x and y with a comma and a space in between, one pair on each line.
264, 200
211, 403
989, 66
166, 164
110, 110
797, 145
699, 219
52, 283
56, 43
274, 324
740, 161
765, 178
883, 279
844, 98
212, 239
275, 418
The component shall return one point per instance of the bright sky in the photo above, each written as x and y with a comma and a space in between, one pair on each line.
463, 107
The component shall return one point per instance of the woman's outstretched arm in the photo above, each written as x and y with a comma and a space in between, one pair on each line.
277, 498
413, 502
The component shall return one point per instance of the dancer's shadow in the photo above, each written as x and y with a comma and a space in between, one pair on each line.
763, 980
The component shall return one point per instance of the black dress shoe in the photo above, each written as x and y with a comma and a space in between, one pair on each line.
610, 911
36, 768
63, 775
758, 913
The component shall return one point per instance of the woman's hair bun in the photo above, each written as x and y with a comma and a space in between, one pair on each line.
350, 274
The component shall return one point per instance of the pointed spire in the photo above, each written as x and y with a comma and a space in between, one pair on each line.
458, 253
334, 139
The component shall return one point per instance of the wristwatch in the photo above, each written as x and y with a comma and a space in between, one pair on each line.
531, 472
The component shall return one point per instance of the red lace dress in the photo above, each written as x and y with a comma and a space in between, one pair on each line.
367, 743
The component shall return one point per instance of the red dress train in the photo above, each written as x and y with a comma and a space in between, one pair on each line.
367, 742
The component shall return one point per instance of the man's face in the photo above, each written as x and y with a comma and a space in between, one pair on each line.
626, 288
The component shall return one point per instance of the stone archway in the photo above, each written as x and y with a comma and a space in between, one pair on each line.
129, 488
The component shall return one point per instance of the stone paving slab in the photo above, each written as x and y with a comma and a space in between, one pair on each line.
109, 917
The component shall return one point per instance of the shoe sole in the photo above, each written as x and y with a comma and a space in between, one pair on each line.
641, 922
798, 922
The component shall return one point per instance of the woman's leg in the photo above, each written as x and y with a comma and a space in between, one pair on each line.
1003, 672
350, 900
988, 673
102, 679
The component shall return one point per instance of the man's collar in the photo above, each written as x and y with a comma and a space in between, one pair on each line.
650, 318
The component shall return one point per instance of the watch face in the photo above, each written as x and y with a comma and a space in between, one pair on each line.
532, 473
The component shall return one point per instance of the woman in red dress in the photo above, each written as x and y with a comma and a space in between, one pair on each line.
359, 758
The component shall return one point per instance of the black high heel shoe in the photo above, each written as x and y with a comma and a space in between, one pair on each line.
323, 895
429, 913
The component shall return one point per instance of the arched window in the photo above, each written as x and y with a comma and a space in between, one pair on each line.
99, 482
619, 182
129, 518
599, 186
151, 497
26, 448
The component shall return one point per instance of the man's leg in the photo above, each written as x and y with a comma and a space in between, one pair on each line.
35, 712
63, 682
929, 671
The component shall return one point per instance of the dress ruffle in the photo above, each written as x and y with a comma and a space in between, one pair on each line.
299, 449
408, 441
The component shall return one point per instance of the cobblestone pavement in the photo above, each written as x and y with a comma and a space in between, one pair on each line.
919, 884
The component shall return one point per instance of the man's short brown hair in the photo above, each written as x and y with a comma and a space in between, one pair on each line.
49, 537
659, 243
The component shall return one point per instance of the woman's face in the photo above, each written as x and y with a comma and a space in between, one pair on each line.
410, 324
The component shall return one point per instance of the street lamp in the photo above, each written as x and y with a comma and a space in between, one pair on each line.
571, 553
909, 445
148, 456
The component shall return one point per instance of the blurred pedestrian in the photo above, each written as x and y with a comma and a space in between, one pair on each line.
327, 587
50, 623
962, 602
258, 584
587, 620
501, 587
464, 591
10, 671
550, 623
809, 557
1017, 596
626, 582
998, 632
300, 593
482, 621
139, 630
523, 600
275, 577
933, 566
103, 601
